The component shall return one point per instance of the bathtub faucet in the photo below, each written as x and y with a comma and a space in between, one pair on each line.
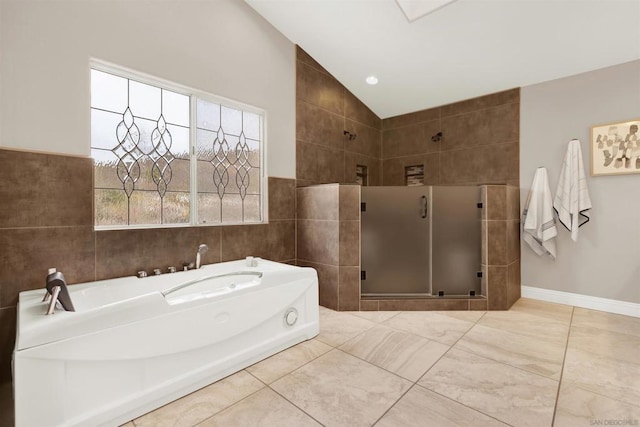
201, 249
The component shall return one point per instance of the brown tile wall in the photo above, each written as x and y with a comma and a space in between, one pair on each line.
328, 236
46, 220
501, 245
324, 110
480, 143
480, 146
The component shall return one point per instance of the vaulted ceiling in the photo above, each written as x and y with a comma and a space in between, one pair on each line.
460, 50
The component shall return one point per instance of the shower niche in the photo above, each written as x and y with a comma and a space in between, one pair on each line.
421, 242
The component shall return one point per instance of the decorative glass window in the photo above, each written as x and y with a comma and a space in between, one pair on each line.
167, 155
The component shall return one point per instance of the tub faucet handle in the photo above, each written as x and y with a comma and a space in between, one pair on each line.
201, 250
54, 299
157, 271
172, 269
142, 274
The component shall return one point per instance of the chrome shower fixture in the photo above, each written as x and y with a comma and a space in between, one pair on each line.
437, 137
201, 250
350, 136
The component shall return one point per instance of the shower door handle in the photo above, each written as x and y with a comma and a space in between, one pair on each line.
423, 203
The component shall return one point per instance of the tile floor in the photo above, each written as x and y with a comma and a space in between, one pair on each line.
538, 364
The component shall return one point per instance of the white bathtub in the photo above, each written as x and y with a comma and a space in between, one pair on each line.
136, 344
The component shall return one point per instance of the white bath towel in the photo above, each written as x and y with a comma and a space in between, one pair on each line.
572, 196
538, 224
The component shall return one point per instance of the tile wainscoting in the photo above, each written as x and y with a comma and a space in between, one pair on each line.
46, 220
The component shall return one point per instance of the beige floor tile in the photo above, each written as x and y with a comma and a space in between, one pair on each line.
509, 394
288, 360
578, 407
602, 375
531, 354
420, 404
264, 408
528, 324
375, 316
338, 327
200, 405
444, 329
605, 343
607, 321
400, 352
338, 389
545, 309
469, 316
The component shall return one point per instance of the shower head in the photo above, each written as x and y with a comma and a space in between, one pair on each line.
437, 137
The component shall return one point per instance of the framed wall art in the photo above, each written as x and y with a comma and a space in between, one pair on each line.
615, 148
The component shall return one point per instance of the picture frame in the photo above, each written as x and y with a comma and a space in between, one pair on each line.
615, 148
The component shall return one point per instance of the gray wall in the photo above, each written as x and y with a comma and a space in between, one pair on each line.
222, 47
605, 261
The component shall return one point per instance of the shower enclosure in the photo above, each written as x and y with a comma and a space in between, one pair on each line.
420, 241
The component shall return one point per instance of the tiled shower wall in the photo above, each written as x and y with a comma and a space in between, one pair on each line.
324, 111
479, 144
46, 220
328, 236
501, 245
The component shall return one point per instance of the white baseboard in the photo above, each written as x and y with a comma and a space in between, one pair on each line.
584, 301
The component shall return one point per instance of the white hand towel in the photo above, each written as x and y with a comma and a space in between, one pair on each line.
572, 196
538, 223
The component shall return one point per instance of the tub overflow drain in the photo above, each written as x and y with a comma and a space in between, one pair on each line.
291, 316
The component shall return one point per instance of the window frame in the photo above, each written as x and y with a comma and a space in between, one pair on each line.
194, 95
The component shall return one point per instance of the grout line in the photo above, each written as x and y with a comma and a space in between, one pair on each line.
481, 109
451, 151
564, 358
451, 346
467, 406
528, 337
343, 114
637, 405
289, 373
507, 364
294, 405
440, 116
394, 403
233, 404
47, 227
415, 383
440, 358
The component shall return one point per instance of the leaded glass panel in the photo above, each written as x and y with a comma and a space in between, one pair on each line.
138, 133
228, 163
145, 152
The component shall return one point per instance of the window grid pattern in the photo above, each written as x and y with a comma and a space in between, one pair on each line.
229, 154
144, 178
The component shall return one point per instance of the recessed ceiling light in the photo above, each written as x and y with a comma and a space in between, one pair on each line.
372, 80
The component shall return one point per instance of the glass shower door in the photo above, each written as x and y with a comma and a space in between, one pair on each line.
396, 239
455, 239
